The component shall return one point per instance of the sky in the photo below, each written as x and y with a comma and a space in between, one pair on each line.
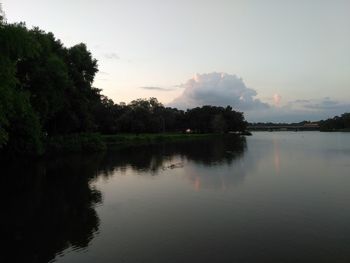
275, 60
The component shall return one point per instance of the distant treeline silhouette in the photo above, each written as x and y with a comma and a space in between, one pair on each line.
278, 124
336, 123
333, 124
46, 90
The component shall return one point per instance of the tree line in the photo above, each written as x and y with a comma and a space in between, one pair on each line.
336, 123
46, 89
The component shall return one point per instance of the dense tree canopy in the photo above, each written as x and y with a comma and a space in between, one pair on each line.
336, 123
19, 123
47, 89
150, 116
215, 119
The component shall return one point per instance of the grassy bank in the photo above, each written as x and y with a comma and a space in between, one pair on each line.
117, 140
75, 143
93, 142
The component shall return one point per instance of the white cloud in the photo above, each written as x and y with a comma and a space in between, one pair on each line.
219, 89
222, 89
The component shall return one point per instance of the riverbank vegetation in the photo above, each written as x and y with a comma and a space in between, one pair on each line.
47, 100
92, 142
337, 123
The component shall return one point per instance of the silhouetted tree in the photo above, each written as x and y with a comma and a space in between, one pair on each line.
20, 130
215, 119
47, 90
336, 123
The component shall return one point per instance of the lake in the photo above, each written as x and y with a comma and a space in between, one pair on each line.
270, 197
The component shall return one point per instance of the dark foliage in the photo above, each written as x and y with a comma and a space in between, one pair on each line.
336, 123
51, 203
46, 90
52, 207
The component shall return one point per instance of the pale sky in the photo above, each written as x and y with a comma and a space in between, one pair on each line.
274, 59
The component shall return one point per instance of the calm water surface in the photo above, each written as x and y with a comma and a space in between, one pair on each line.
274, 197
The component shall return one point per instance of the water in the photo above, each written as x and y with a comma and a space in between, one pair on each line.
274, 197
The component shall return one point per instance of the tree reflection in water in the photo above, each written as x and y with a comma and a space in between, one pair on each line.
152, 158
49, 207
51, 203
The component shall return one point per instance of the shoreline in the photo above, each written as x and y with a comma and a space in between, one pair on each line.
95, 142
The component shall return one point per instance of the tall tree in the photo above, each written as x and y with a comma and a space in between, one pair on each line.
20, 129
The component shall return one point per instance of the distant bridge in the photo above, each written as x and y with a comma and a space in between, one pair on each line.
306, 127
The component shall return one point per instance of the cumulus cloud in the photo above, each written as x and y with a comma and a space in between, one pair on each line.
219, 89
222, 89
157, 88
